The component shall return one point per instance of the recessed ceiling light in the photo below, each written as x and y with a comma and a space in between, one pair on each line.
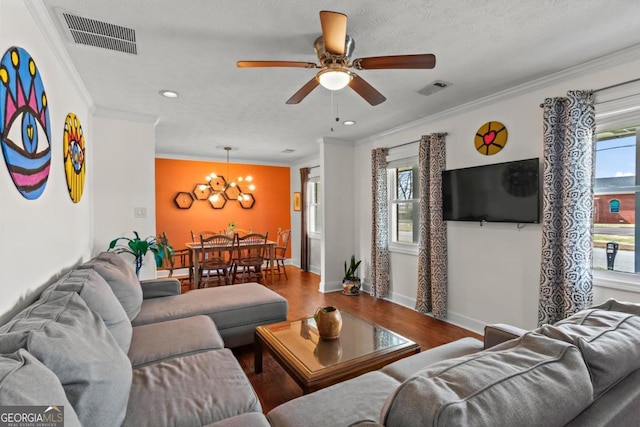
349, 122
169, 94
288, 150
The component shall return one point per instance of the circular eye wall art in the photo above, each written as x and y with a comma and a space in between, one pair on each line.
491, 138
73, 151
25, 130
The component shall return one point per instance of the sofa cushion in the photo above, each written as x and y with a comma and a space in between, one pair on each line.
72, 341
173, 338
250, 419
24, 381
124, 285
348, 402
99, 297
407, 367
236, 309
609, 342
192, 390
530, 381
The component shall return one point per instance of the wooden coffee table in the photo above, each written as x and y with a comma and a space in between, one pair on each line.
315, 363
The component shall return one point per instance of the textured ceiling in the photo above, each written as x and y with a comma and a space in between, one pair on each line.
191, 46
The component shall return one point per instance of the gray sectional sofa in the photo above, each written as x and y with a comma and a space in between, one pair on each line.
110, 351
582, 371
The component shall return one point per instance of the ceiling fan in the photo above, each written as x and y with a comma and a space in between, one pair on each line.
334, 49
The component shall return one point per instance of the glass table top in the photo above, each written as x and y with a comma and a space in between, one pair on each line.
358, 338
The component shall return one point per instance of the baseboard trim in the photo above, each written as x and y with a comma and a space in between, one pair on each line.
453, 318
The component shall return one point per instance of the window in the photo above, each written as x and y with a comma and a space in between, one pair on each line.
315, 212
615, 191
614, 206
404, 204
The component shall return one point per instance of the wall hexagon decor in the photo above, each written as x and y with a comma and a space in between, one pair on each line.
183, 200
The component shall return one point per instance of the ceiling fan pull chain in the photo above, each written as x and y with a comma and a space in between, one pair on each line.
331, 110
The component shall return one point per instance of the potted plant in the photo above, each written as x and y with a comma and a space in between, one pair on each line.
351, 282
139, 247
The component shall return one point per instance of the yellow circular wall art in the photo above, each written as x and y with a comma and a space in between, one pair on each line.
73, 150
491, 138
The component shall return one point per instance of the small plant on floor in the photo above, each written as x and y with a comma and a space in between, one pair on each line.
139, 247
351, 282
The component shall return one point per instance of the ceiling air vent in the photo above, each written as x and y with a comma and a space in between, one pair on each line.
101, 34
433, 87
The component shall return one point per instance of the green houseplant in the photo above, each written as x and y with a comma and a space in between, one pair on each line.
138, 247
351, 282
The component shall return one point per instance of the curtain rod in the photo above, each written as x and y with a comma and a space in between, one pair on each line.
412, 142
609, 87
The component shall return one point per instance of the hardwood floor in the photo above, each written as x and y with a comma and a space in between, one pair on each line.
274, 386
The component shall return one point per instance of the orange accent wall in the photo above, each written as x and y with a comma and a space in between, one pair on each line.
272, 209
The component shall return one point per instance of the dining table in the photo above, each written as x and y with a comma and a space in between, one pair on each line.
195, 248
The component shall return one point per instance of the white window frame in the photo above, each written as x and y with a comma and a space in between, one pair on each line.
618, 108
405, 157
313, 208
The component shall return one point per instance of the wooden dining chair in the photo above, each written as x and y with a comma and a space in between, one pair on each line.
282, 243
176, 259
197, 236
216, 259
248, 253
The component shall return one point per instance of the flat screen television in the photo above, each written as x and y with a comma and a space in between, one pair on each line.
502, 192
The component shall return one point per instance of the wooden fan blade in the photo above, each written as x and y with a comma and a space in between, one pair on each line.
303, 92
334, 31
425, 61
365, 90
254, 64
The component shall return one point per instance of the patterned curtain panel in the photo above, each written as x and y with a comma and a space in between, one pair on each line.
567, 206
380, 229
432, 245
304, 238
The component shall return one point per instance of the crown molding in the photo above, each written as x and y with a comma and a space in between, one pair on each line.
39, 13
603, 63
212, 159
111, 113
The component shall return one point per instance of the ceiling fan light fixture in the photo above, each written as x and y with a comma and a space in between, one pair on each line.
333, 79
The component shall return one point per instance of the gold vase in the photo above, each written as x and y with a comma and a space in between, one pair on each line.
329, 322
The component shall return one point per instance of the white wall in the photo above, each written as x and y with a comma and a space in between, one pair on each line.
40, 239
124, 179
336, 165
494, 269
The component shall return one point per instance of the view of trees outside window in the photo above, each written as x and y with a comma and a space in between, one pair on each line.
614, 201
405, 205
315, 211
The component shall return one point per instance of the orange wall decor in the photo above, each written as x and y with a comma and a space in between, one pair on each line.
272, 209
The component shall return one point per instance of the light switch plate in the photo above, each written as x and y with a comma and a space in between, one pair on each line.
140, 212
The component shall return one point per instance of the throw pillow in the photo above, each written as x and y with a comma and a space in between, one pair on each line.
24, 381
608, 340
72, 341
530, 381
99, 297
615, 305
125, 286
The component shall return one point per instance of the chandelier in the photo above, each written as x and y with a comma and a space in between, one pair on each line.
221, 189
